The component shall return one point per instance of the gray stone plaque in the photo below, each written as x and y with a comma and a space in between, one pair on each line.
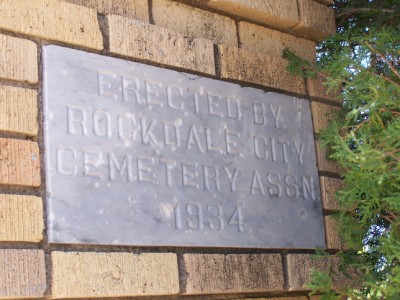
140, 155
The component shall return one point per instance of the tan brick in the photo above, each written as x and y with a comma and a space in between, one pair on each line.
18, 59
277, 13
134, 9
18, 110
234, 273
161, 45
332, 235
19, 162
322, 115
325, 164
98, 274
194, 22
329, 186
262, 69
317, 21
21, 218
299, 268
52, 20
317, 89
272, 42
23, 274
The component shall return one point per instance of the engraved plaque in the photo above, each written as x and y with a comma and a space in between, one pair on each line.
140, 155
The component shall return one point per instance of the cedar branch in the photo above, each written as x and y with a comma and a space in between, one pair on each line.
382, 57
361, 9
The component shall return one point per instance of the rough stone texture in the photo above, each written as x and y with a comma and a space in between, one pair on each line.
272, 42
18, 110
21, 218
329, 186
134, 9
322, 115
262, 69
317, 21
317, 89
234, 273
194, 22
18, 58
22, 274
332, 233
98, 274
277, 13
299, 271
52, 20
19, 163
325, 164
161, 45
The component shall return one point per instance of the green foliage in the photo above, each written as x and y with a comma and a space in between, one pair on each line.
299, 66
353, 15
322, 283
366, 142
363, 59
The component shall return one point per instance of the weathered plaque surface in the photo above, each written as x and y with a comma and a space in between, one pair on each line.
140, 155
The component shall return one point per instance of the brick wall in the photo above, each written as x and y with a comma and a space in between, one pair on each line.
233, 40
